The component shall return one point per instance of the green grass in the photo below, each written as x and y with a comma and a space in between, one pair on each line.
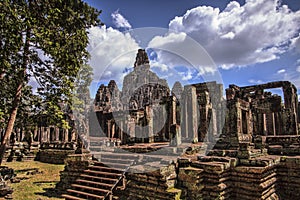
35, 187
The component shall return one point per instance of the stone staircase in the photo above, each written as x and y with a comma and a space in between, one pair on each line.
102, 178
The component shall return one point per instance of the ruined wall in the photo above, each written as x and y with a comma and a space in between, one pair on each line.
75, 164
157, 184
288, 178
53, 156
224, 178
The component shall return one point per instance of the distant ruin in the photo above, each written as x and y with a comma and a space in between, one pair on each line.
253, 146
191, 113
146, 110
148, 141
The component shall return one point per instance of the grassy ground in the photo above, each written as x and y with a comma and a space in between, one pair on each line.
37, 180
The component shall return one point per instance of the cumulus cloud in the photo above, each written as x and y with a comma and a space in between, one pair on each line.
253, 81
178, 49
281, 71
256, 32
160, 66
187, 75
120, 21
296, 43
111, 53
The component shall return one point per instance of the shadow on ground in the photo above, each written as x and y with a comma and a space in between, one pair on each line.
48, 192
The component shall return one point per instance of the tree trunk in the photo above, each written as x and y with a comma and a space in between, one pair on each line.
11, 121
17, 98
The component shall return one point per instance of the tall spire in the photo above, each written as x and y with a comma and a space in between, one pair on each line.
141, 58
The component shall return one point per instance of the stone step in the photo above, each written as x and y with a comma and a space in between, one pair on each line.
95, 184
98, 178
86, 195
70, 197
119, 156
101, 176
117, 166
118, 161
105, 169
105, 174
90, 189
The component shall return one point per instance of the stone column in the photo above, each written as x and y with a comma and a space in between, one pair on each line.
18, 135
260, 123
264, 121
35, 133
47, 139
173, 110
191, 114
65, 135
270, 123
213, 129
184, 116
291, 104
150, 123
113, 129
108, 129
278, 123
56, 134
131, 127
175, 135
122, 138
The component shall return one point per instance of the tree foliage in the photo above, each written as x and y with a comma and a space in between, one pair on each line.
44, 41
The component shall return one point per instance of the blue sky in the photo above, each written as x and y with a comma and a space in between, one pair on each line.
237, 42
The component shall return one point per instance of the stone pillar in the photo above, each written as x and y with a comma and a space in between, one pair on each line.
191, 113
108, 129
56, 134
175, 132
291, 105
278, 123
43, 133
184, 116
173, 110
113, 129
212, 125
18, 135
175, 135
35, 133
131, 127
149, 113
260, 123
66, 138
47, 139
232, 124
270, 123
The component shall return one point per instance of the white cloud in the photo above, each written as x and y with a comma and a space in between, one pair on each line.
178, 49
253, 81
281, 71
298, 69
162, 67
257, 32
111, 52
296, 43
120, 21
293, 78
186, 76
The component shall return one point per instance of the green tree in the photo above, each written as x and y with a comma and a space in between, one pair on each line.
44, 39
82, 100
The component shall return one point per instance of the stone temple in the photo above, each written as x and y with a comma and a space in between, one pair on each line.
146, 110
148, 141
